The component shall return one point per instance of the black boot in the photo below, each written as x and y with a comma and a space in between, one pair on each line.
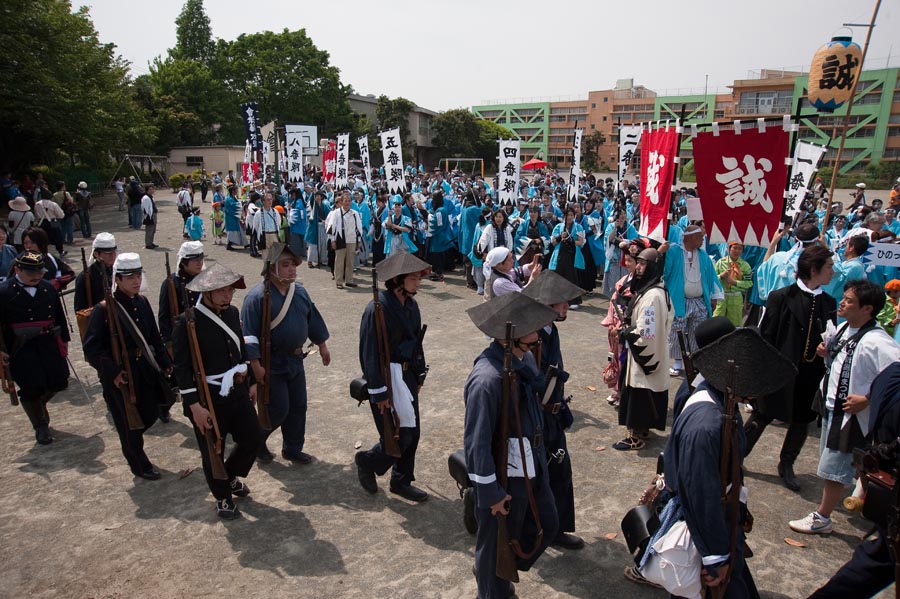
753, 430
786, 472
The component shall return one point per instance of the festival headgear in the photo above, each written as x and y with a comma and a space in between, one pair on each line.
19, 204
105, 242
217, 276
276, 251
732, 243
525, 314
692, 230
551, 288
396, 200
807, 234
279, 210
891, 210
892, 285
649, 255
127, 264
761, 369
711, 329
189, 250
216, 205
496, 256
397, 265
31, 261
82, 185
861, 185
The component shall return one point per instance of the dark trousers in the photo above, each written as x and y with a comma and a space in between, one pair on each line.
438, 261
377, 460
868, 572
521, 526
560, 473
377, 251
34, 403
84, 217
237, 418
794, 438
132, 441
287, 408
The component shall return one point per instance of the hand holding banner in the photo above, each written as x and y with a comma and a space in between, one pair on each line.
658, 151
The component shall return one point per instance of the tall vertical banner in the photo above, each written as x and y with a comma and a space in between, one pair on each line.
804, 166
294, 152
629, 136
249, 172
250, 113
363, 143
741, 175
508, 175
329, 161
393, 160
575, 175
658, 151
269, 143
342, 175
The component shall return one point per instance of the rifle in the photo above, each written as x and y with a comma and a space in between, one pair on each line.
730, 466
120, 356
87, 279
265, 337
173, 301
6, 380
389, 417
690, 373
82, 316
214, 441
506, 559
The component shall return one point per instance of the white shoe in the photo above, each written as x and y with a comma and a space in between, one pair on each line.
813, 524
573, 307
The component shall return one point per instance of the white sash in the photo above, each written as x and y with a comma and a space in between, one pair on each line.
284, 307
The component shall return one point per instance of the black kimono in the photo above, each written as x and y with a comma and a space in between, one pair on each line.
150, 386
36, 337
221, 346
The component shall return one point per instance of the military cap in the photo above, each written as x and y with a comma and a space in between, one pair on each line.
761, 369
398, 264
30, 260
551, 288
217, 276
525, 314
275, 252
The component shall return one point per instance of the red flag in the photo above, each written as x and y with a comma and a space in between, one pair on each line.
249, 172
329, 158
740, 180
658, 150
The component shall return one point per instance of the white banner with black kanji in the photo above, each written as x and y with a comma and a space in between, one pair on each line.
393, 160
508, 173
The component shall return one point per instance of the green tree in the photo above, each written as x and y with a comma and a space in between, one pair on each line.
193, 34
188, 88
488, 134
289, 77
394, 113
457, 133
590, 150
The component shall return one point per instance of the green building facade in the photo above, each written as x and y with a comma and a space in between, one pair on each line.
530, 122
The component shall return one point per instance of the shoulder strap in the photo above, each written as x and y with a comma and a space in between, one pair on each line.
285, 306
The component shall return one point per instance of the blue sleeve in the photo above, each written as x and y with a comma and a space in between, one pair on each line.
369, 360
317, 331
251, 315
482, 412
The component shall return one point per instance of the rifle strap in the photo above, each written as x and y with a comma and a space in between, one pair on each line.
218, 322
135, 333
285, 306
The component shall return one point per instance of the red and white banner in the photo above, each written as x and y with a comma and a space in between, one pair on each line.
658, 151
249, 172
329, 162
741, 176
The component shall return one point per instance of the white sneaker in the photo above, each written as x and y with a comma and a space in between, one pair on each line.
813, 524
573, 307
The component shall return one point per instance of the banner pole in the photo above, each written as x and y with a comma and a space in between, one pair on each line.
795, 137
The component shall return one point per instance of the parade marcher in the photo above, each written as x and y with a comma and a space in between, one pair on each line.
526, 492
779, 269
319, 209
103, 256
693, 455
795, 319
57, 272
35, 339
193, 227
496, 234
85, 203
644, 397
556, 292
146, 356
501, 274
735, 275
398, 231
234, 229
49, 216
220, 349
617, 235
693, 285
299, 222
854, 355
149, 214
567, 258
295, 319
266, 223
344, 227
440, 242
20, 219
402, 274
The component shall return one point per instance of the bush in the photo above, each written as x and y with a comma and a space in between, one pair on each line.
177, 180
687, 173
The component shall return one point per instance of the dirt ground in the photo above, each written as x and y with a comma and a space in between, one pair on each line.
77, 524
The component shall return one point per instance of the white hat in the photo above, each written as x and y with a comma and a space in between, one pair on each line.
493, 258
19, 204
104, 241
126, 264
82, 185
188, 250
861, 185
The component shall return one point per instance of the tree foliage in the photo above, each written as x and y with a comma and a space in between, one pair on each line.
488, 134
61, 90
394, 113
457, 133
590, 150
193, 33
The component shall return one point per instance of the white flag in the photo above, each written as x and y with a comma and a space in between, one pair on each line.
293, 153
508, 173
247, 151
806, 163
363, 143
342, 174
575, 175
629, 136
393, 160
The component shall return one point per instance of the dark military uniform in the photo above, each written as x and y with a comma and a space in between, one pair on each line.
97, 285
36, 337
404, 324
149, 385
221, 351
164, 316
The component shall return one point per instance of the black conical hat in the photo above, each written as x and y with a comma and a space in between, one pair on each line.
275, 252
550, 288
525, 314
400, 264
761, 369
215, 277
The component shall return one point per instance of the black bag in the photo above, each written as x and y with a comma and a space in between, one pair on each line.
638, 526
359, 390
879, 497
148, 220
456, 463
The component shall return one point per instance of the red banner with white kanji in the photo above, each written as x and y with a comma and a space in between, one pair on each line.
249, 172
658, 151
740, 181
329, 162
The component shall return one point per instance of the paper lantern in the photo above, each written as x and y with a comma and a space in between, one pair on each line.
833, 72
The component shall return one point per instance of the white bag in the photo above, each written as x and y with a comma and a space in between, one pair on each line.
676, 563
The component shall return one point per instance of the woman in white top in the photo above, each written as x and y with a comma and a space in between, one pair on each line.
497, 234
20, 218
48, 215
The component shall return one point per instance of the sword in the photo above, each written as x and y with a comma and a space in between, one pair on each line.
81, 384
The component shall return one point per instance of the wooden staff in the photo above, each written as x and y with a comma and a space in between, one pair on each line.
265, 340
122, 360
389, 416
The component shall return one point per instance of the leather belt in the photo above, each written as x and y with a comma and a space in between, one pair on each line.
552, 408
537, 440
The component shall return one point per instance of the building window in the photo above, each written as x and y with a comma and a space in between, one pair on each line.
870, 98
593, 105
592, 125
605, 99
194, 160
604, 119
